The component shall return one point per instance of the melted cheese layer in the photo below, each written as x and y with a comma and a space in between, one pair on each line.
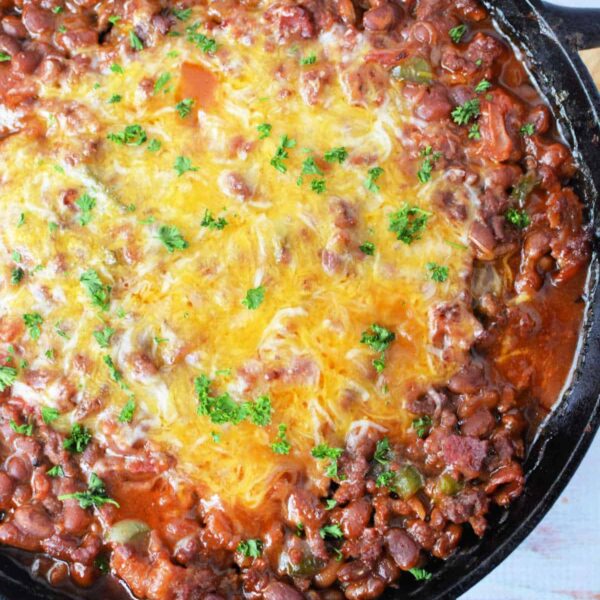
179, 314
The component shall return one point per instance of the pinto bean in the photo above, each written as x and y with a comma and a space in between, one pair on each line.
402, 548
382, 17
7, 487
368, 589
355, 518
37, 20
281, 591
13, 26
33, 520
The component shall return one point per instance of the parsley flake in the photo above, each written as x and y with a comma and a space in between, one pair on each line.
367, 248
422, 425
115, 98
132, 135
8, 375
209, 221
16, 275
408, 223
527, 130
182, 14
324, 451
154, 145
94, 496
126, 414
171, 237
99, 292
161, 82
281, 153
49, 414
79, 439
206, 44
5, 57
254, 297
483, 86
466, 112
518, 218
282, 445
182, 165
474, 132
333, 531
339, 155
184, 108
420, 574
250, 548
309, 59
372, 176
135, 42
55, 471
264, 130
32, 322
438, 273
86, 204
24, 429
456, 33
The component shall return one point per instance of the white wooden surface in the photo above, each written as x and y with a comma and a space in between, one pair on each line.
560, 560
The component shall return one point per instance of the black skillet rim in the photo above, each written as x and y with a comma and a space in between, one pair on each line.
568, 432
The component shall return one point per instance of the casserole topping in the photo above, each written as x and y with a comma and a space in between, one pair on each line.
280, 283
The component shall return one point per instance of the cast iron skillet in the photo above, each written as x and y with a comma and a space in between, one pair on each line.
548, 38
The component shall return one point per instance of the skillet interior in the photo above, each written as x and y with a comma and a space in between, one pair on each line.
567, 433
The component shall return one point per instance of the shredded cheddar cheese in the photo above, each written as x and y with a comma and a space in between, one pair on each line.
181, 213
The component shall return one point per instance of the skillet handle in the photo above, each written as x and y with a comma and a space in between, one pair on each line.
579, 28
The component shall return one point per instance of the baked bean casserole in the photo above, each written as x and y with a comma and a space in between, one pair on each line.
285, 289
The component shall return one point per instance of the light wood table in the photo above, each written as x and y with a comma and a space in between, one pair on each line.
560, 560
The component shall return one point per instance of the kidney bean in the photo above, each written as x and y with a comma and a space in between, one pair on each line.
37, 20
381, 18
13, 26
402, 548
280, 591
367, 589
25, 62
33, 520
6, 488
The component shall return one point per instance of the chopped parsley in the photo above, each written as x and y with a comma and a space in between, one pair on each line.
378, 338
57, 10
408, 223
422, 425
330, 504
79, 439
154, 145
206, 44
527, 130
474, 132
182, 14
115, 68
135, 42
8, 375
309, 167
386, 479
171, 237
309, 59
438, 273
420, 574
182, 165
5, 57
264, 130
49, 414
209, 221
250, 548
332, 531
86, 204
55, 471
32, 322
282, 445
430, 157
184, 108
483, 86
318, 186
339, 155
114, 19
324, 451
281, 153
95, 495
115, 374
16, 275
466, 112
367, 248
24, 429
132, 135
456, 33
518, 218
103, 336
126, 414
254, 297
161, 82
382, 451
21, 220
224, 409
372, 176
99, 292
